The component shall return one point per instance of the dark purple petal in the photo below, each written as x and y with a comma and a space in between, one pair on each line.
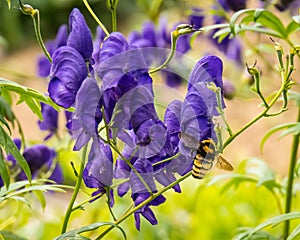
38, 157
197, 18
50, 119
148, 33
44, 65
183, 44
166, 178
181, 165
80, 36
172, 117
67, 73
123, 188
57, 174
207, 69
145, 169
87, 115
236, 5
172, 79
98, 172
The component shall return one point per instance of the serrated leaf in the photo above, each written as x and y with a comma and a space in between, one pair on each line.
10, 147
10, 236
294, 234
8, 3
236, 16
20, 199
275, 221
74, 234
274, 130
221, 34
4, 171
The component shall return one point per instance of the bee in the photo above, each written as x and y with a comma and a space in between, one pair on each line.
206, 156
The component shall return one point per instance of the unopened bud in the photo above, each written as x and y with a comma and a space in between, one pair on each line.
229, 89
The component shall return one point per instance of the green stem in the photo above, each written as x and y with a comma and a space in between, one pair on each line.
76, 190
148, 200
35, 15
290, 183
113, 8
171, 55
254, 120
85, 2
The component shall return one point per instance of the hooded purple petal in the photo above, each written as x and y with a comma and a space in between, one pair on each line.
88, 115
98, 172
67, 74
50, 119
80, 36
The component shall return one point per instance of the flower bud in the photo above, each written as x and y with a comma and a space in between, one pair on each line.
228, 89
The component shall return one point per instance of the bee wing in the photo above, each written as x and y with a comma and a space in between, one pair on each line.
222, 163
189, 141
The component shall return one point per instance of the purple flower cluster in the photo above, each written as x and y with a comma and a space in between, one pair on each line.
230, 47
111, 90
41, 160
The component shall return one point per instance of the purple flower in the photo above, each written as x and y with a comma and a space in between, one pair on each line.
98, 172
40, 159
235, 5
197, 18
140, 192
50, 120
68, 71
60, 40
208, 70
88, 114
80, 37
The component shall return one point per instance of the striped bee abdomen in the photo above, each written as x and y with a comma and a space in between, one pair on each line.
204, 159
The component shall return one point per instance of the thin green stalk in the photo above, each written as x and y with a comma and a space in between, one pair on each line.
148, 200
171, 55
167, 159
85, 2
290, 182
35, 15
254, 120
113, 8
76, 190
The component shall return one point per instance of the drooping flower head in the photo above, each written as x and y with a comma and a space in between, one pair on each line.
41, 160
98, 172
69, 68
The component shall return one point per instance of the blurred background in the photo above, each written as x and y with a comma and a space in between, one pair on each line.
202, 210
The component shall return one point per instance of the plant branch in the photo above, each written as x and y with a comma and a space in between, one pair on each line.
293, 160
76, 190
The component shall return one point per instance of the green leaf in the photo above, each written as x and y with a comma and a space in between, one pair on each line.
8, 3
74, 234
294, 126
27, 93
295, 234
267, 20
10, 147
275, 221
292, 27
293, 95
10, 236
3, 170
41, 197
